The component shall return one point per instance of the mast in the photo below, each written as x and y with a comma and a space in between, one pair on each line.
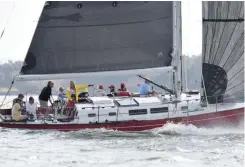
177, 49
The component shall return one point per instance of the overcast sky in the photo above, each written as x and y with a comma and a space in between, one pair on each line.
19, 19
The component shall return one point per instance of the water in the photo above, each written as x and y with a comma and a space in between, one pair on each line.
174, 145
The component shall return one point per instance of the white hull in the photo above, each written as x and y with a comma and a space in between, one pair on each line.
105, 109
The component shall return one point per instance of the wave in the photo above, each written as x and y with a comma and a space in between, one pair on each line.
182, 129
169, 129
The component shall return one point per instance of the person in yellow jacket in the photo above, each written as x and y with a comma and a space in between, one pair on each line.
73, 91
16, 111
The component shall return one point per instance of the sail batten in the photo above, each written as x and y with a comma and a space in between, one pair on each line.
99, 37
107, 24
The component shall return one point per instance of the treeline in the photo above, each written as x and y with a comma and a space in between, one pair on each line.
192, 66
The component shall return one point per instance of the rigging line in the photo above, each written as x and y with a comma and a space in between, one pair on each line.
185, 67
205, 94
12, 83
185, 61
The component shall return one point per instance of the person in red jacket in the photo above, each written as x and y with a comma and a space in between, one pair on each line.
123, 91
122, 87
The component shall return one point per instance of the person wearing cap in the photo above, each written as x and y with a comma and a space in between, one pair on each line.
16, 111
122, 87
45, 95
123, 90
20, 97
100, 91
62, 94
73, 90
112, 91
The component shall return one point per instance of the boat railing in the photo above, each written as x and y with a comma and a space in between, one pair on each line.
220, 100
69, 112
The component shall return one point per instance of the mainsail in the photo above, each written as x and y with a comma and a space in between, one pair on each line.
78, 37
223, 50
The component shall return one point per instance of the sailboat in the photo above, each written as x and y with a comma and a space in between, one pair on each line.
77, 39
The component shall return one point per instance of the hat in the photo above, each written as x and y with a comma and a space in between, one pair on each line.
61, 89
122, 84
100, 87
112, 87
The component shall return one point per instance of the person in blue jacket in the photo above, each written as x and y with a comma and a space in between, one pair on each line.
62, 94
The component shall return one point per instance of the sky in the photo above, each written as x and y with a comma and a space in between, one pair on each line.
19, 19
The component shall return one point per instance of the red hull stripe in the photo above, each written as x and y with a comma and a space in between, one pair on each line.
233, 117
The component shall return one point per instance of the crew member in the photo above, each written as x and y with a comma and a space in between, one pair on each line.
31, 107
145, 88
72, 92
122, 87
45, 95
123, 90
100, 91
62, 94
20, 97
16, 111
112, 91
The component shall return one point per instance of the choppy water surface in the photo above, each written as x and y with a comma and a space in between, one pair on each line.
172, 145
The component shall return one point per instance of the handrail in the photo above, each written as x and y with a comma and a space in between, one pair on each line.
10, 101
114, 106
71, 113
226, 95
56, 94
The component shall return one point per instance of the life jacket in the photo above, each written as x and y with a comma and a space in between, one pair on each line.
123, 93
122, 89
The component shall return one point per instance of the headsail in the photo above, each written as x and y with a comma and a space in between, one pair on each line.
223, 50
75, 37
